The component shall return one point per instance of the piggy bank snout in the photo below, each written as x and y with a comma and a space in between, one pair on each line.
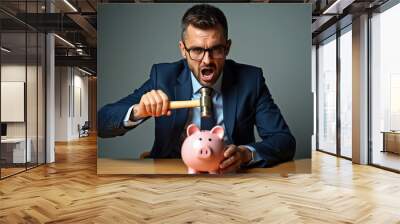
204, 152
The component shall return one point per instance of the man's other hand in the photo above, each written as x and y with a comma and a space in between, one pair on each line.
234, 157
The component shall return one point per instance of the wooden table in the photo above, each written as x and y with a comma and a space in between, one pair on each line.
391, 141
13, 150
176, 166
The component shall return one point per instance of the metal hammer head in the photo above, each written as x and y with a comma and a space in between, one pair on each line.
206, 107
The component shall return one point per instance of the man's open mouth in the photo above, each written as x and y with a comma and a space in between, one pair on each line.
207, 74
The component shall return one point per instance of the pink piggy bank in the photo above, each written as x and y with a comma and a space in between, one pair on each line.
202, 151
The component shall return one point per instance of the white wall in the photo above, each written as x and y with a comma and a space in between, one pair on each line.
33, 126
61, 103
71, 87
16, 73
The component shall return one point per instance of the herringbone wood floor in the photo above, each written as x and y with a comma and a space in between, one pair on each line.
69, 191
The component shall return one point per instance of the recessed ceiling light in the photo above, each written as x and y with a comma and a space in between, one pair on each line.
64, 40
5, 50
338, 6
84, 71
70, 5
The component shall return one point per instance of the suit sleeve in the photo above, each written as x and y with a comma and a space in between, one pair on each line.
278, 144
111, 116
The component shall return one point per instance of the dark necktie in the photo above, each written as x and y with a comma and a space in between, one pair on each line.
207, 123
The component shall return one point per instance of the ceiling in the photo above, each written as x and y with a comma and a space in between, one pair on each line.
76, 22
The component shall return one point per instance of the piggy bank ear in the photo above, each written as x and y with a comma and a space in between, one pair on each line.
191, 129
219, 131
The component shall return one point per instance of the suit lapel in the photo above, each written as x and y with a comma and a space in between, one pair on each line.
229, 97
183, 91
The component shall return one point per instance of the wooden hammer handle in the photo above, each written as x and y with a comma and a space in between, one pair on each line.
184, 104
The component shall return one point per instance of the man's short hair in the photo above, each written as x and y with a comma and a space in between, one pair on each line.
204, 16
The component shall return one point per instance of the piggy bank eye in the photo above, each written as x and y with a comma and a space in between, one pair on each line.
200, 139
209, 139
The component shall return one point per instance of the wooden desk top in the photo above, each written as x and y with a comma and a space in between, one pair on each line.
176, 166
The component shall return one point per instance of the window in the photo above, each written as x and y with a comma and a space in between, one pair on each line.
346, 92
385, 88
327, 95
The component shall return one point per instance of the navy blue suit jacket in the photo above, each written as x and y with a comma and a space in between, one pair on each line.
246, 102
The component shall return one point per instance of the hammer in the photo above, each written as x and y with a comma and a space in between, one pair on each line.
205, 103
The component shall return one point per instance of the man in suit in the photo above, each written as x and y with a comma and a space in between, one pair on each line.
240, 98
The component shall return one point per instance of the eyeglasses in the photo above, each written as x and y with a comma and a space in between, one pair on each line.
197, 53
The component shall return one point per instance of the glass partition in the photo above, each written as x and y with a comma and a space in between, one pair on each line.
327, 95
41, 107
22, 88
14, 151
385, 89
346, 92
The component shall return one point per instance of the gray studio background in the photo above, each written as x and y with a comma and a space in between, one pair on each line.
275, 37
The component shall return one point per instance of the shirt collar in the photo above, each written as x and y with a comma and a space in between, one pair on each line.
197, 86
